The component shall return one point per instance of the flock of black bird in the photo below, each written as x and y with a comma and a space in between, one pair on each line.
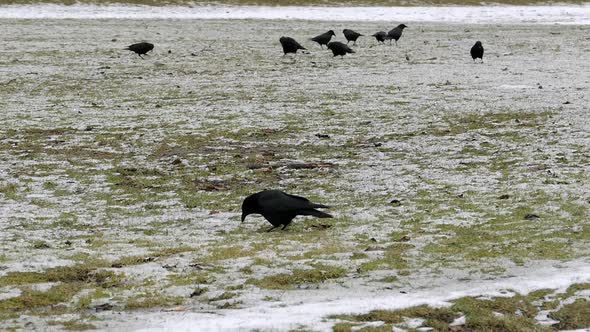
290, 45
278, 207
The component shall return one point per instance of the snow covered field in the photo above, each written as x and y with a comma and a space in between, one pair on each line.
121, 179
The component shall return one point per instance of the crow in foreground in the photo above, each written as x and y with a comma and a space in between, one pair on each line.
396, 33
380, 36
351, 35
339, 48
477, 51
290, 45
280, 208
324, 38
140, 48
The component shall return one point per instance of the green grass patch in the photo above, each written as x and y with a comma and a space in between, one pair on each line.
152, 300
31, 299
432, 316
224, 253
392, 259
10, 191
319, 273
73, 325
162, 253
64, 274
573, 316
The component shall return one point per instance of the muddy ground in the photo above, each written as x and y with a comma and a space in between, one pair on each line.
121, 178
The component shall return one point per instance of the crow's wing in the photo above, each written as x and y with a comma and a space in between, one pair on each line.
297, 45
278, 201
305, 203
348, 49
323, 38
355, 34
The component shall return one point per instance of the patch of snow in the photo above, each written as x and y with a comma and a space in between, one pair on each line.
35, 264
562, 14
42, 287
516, 87
414, 323
8, 293
314, 313
458, 321
543, 318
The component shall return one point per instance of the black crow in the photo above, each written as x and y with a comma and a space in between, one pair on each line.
339, 48
351, 35
477, 51
140, 48
396, 33
280, 208
290, 45
324, 38
380, 36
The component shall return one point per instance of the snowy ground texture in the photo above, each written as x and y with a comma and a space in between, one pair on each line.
121, 179
562, 14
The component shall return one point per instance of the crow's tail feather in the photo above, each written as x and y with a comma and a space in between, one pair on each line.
316, 213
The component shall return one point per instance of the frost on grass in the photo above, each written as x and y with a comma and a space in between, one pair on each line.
121, 179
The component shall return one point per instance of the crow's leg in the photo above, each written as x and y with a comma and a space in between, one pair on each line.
285, 226
270, 229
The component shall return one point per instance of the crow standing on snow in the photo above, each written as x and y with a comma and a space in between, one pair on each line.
339, 48
396, 33
280, 208
477, 51
140, 48
380, 36
351, 35
290, 45
324, 38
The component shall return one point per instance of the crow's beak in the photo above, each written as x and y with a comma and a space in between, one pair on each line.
243, 216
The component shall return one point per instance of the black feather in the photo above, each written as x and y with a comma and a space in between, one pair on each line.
339, 48
290, 45
477, 51
324, 38
140, 48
